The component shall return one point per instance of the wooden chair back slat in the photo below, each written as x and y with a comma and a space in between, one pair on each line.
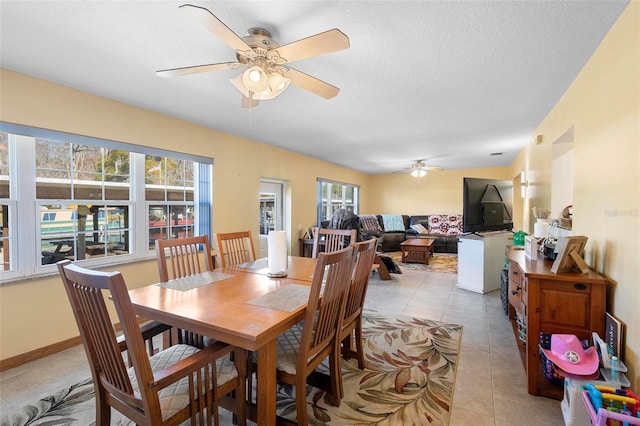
186, 256
235, 248
333, 240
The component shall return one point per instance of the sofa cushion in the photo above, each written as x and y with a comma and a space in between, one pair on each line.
393, 223
445, 224
421, 219
419, 228
370, 224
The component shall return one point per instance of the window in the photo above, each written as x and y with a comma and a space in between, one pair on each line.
96, 201
7, 206
169, 186
336, 195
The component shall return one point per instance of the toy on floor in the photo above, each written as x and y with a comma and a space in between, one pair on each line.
610, 406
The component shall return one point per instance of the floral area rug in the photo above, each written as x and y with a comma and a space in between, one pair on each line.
409, 379
440, 262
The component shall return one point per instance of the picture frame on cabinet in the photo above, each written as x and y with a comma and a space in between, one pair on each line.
569, 256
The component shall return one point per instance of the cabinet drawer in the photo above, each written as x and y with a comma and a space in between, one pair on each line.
516, 289
565, 305
515, 274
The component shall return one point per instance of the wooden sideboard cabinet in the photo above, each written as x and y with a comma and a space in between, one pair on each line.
568, 303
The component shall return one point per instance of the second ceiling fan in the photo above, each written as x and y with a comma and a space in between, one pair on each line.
267, 74
419, 169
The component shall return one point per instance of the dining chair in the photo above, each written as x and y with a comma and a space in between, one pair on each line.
183, 257
177, 384
235, 248
179, 258
304, 346
332, 240
365, 252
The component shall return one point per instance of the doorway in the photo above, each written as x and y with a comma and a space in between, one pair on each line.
271, 211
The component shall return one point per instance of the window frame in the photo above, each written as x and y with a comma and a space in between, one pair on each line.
320, 204
25, 252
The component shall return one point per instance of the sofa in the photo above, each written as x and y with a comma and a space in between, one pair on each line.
443, 228
392, 230
389, 237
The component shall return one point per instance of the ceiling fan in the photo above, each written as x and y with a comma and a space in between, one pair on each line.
419, 168
267, 74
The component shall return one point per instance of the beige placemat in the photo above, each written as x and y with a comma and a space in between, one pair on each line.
260, 266
287, 298
194, 281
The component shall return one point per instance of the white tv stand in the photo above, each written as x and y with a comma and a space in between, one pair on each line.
481, 257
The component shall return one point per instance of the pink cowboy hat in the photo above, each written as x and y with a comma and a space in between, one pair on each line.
567, 353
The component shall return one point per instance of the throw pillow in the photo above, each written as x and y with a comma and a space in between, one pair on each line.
419, 228
392, 223
370, 224
445, 224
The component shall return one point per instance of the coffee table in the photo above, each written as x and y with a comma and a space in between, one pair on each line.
417, 250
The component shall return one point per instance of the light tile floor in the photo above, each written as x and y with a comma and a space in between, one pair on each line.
490, 384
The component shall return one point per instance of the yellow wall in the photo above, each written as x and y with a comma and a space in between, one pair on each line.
603, 105
439, 192
36, 313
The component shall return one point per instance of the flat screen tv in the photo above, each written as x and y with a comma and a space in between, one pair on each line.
487, 205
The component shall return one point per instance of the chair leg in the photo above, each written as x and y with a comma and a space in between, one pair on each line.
216, 414
241, 393
301, 402
359, 348
103, 411
335, 378
250, 372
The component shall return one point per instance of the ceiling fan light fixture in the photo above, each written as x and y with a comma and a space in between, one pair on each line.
278, 83
418, 172
255, 79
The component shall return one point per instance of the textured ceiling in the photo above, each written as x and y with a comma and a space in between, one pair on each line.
446, 81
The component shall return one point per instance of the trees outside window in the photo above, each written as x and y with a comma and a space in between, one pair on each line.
96, 201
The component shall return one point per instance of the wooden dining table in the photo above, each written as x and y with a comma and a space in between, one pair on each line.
298, 268
238, 305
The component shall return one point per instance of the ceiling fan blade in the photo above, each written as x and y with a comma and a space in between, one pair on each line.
215, 26
312, 84
177, 72
319, 44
